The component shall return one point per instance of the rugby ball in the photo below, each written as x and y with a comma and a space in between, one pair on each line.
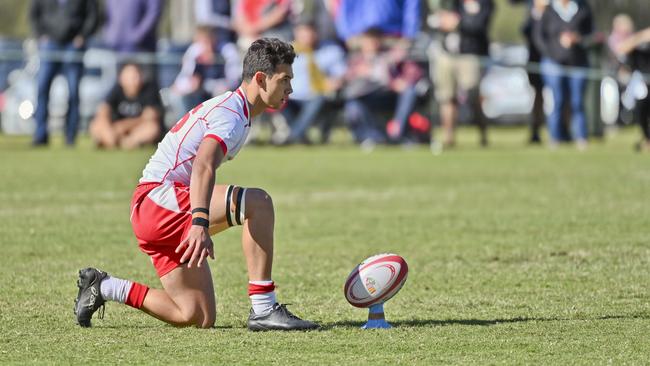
375, 280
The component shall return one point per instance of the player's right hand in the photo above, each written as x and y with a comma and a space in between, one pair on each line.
198, 246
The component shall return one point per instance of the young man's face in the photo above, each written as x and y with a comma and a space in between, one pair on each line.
275, 88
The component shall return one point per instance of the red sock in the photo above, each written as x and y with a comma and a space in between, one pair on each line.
262, 295
136, 295
257, 288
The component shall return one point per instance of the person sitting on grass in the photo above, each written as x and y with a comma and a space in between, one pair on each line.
130, 116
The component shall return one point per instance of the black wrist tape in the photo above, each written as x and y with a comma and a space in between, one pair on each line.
201, 210
200, 221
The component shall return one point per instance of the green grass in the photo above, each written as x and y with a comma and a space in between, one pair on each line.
517, 255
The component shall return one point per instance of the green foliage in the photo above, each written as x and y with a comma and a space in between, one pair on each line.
14, 19
518, 255
507, 22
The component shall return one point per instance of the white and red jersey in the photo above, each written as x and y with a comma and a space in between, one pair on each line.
225, 118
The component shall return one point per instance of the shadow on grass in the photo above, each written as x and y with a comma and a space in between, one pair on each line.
433, 322
129, 326
415, 323
165, 326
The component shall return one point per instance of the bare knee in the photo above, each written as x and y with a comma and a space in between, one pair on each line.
101, 132
207, 319
208, 322
258, 201
200, 322
149, 130
197, 318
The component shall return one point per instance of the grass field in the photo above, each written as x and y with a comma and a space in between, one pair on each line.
517, 255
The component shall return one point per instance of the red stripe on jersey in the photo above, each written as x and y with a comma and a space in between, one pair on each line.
178, 150
245, 103
195, 109
232, 110
185, 161
224, 148
254, 289
218, 105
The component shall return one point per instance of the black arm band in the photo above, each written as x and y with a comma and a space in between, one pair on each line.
200, 221
201, 210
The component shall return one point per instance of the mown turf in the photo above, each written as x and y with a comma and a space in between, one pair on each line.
517, 255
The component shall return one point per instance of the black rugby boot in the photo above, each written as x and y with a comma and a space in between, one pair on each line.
278, 319
89, 299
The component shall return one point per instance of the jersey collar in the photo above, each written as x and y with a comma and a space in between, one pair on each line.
242, 95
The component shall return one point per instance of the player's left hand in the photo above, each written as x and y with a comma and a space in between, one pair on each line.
198, 246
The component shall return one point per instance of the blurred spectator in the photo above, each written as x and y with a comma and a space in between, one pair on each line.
619, 67
559, 35
398, 21
637, 50
407, 125
457, 67
182, 24
399, 18
253, 19
131, 26
535, 10
202, 74
319, 71
62, 28
130, 116
622, 29
322, 12
216, 14
378, 81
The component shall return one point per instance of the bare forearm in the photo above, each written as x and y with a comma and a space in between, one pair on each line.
205, 164
201, 184
634, 41
103, 112
127, 124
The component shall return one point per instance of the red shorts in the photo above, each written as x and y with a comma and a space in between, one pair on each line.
161, 217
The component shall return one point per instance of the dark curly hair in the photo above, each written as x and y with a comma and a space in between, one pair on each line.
264, 55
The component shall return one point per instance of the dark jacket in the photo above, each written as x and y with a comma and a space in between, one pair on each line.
473, 27
527, 30
63, 21
546, 35
639, 59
